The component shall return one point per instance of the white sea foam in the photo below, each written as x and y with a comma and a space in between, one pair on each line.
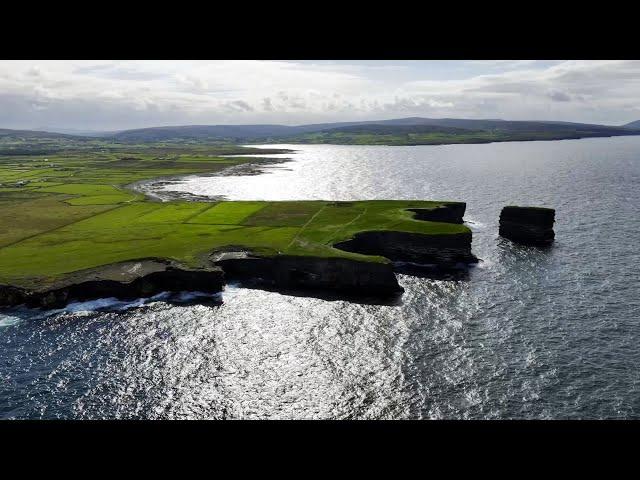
110, 303
8, 320
114, 304
188, 296
474, 225
484, 264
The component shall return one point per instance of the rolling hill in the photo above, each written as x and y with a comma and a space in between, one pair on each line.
6, 133
403, 130
398, 131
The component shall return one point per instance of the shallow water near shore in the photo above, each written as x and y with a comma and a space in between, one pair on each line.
530, 333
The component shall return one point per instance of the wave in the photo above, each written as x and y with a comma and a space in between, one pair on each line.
114, 304
474, 225
8, 321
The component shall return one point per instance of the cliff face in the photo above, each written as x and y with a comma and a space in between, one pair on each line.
432, 253
146, 279
10, 296
441, 251
333, 274
528, 225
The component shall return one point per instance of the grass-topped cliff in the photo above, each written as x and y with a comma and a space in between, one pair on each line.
72, 210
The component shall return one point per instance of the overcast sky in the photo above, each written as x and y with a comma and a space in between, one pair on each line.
117, 95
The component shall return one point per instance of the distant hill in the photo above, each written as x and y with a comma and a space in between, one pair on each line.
252, 132
78, 132
238, 132
35, 134
204, 132
390, 129
398, 126
507, 125
430, 131
503, 126
32, 142
397, 131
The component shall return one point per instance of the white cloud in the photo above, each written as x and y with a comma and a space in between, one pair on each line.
128, 94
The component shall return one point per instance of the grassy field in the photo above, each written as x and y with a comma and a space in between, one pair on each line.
71, 210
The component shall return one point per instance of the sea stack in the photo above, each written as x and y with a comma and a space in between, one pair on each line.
528, 225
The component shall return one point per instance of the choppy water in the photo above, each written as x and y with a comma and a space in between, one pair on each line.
531, 334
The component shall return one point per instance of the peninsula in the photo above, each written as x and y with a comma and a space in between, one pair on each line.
72, 228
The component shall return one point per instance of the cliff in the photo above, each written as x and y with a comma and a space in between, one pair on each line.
127, 281
298, 272
451, 212
272, 257
441, 252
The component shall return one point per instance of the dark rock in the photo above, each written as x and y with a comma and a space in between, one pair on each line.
447, 251
126, 281
451, 212
314, 273
528, 225
409, 252
10, 296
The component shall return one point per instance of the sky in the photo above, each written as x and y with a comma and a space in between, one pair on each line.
117, 95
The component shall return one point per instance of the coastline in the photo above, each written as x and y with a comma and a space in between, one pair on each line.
149, 188
294, 141
363, 263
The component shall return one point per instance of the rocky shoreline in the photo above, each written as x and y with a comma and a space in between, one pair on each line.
152, 188
125, 281
346, 276
435, 255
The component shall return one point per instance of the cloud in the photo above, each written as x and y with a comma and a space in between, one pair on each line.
267, 106
129, 94
559, 96
241, 106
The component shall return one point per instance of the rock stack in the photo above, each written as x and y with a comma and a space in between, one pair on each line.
528, 225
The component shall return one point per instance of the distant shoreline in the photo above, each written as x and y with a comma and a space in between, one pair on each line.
150, 189
436, 143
